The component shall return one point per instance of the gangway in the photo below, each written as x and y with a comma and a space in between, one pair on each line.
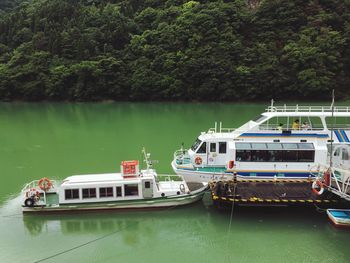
335, 180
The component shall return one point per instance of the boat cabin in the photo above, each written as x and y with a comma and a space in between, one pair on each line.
130, 184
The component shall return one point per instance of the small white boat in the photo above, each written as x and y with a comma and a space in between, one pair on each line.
339, 217
130, 189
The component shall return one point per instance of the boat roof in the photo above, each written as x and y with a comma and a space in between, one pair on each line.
103, 178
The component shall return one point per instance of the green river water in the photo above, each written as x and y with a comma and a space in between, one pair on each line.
58, 140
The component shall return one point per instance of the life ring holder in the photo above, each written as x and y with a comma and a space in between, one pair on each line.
318, 187
45, 184
198, 160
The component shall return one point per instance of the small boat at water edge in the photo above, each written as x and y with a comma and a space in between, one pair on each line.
130, 189
339, 217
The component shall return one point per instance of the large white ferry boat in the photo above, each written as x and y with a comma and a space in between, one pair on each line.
282, 142
130, 189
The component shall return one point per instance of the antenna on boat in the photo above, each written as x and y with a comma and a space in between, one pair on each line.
147, 160
332, 128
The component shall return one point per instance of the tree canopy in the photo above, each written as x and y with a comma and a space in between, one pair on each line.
208, 50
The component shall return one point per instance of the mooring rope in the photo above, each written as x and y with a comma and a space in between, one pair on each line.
230, 223
319, 209
91, 241
18, 215
81, 245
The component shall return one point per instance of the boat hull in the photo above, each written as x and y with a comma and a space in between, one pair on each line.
140, 204
191, 175
339, 217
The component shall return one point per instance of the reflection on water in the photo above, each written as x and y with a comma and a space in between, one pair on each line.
198, 228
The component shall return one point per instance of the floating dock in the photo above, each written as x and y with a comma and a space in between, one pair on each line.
271, 192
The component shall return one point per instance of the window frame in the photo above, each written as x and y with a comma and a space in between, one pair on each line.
105, 195
72, 194
220, 149
90, 193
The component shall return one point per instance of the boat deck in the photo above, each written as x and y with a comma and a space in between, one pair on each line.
270, 192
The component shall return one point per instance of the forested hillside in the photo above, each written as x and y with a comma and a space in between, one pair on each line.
174, 50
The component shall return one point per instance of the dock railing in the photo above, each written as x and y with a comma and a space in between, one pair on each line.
298, 108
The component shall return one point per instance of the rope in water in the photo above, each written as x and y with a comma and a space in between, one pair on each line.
81, 245
90, 242
230, 224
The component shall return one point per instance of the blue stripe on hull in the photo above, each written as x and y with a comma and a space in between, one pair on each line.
344, 135
338, 136
286, 135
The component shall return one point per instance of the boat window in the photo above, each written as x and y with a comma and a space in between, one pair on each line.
212, 147
276, 123
243, 155
290, 146
259, 146
259, 156
131, 189
89, 193
274, 146
119, 191
195, 145
338, 122
306, 156
337, 152
222, 147
71, 194
202, 148
147, 185
243, 146
106, 192
315, 123
345, 155
290, 156
275, 156
306, 146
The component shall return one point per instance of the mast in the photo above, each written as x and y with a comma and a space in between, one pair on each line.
332, 128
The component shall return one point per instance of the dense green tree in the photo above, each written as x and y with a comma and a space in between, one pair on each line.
174, 49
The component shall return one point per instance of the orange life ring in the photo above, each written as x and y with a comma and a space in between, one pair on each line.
198, 160
317, 187
44, 184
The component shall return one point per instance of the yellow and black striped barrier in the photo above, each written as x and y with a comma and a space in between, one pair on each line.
267, 181
270, 201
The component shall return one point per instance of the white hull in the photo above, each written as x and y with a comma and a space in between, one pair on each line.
126, 205
200, 177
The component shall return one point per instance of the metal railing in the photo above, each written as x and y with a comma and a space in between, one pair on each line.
287, 128
339, 180
298, 108
181, 157
220, 129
